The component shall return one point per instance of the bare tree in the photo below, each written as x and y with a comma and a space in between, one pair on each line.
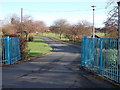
60, 26
26, 26
40, 26
77, 31
9, 29
111, 24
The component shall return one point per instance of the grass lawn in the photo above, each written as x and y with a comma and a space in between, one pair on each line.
100, 34
54, 35
1, 34
38, 47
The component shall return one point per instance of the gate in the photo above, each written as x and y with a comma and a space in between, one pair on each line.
9, 50
101, 56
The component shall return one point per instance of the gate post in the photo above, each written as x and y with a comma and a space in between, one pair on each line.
101, 62
84, 50
7, 50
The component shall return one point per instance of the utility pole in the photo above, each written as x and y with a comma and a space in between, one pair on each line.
118, 32
21, 15
21, 21
93, 29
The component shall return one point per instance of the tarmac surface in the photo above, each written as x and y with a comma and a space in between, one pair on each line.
58, 69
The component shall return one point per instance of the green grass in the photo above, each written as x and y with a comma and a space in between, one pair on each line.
1, 34
100, 34
54, 35
38, 47
57, 36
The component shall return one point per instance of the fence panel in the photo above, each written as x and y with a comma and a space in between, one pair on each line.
101, 55
14, 49
9, 50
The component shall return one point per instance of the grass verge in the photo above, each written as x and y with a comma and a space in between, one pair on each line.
38, 47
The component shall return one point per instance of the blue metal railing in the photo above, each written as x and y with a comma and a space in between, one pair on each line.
1, 50
9, 50
101, 56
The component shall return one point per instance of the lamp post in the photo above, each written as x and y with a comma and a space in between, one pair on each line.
93, 29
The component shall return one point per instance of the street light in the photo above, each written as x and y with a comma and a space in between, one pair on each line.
93, 29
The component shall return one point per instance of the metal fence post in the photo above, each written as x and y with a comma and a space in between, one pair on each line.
93, 52
19, 49
101, 47
7, 49
84, 50
1, 49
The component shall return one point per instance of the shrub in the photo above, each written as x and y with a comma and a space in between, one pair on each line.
24, 48
110, 57
30, 38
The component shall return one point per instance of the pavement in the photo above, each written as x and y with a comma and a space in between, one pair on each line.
58, 69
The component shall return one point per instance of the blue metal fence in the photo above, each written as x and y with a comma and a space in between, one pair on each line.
101, 56
9, 50
1, 49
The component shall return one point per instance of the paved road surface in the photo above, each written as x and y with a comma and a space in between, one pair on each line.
58, 69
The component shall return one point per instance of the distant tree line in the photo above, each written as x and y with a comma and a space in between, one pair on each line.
61, 26
72, 32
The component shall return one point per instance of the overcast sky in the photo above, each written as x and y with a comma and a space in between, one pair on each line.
50, 10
